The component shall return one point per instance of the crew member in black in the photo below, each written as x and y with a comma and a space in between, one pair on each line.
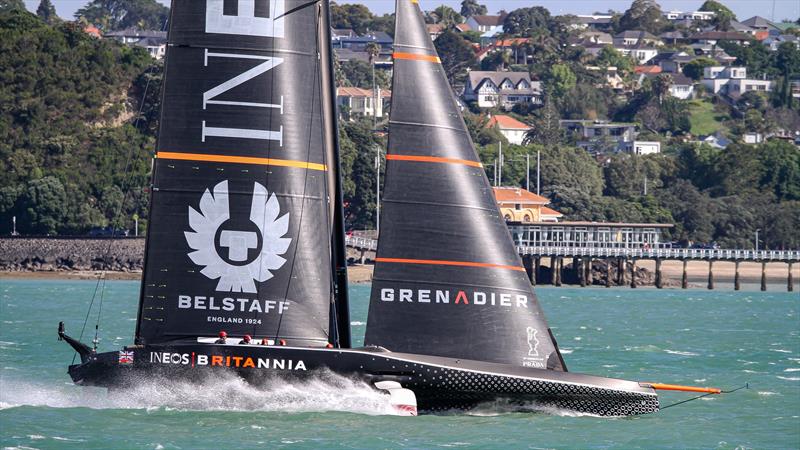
245, 340
222, 338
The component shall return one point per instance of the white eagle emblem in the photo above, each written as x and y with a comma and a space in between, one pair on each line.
214, 211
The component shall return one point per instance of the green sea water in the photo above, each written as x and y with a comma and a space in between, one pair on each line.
717, 338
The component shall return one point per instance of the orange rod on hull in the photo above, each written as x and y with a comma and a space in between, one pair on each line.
675, 387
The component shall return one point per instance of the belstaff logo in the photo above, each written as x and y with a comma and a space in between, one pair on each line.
237, 268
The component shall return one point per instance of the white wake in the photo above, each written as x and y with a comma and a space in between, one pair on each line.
328, 392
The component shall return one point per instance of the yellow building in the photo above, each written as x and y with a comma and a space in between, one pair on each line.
520, 205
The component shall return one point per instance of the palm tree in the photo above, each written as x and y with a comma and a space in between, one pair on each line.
373, 49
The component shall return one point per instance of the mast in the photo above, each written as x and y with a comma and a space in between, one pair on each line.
243, 211
448, 280
341, 314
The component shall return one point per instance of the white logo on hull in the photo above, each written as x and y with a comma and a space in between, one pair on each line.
214, 212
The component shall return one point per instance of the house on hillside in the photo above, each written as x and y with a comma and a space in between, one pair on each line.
155, 46
133, 35
637, 37
642, 147
640, 53
682, 87
521, 205
762, 26
512, 129
775, 41
484, 23
600, 136
359, 43
596, 37
732, 81
601, 22
675, 15
434, 30
712, 38
502, 89
612, 78
355, 101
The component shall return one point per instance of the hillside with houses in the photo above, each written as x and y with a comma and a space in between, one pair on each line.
642, 115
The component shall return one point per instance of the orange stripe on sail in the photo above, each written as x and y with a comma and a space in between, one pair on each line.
433, 159
241, 160
439, 262
416, 57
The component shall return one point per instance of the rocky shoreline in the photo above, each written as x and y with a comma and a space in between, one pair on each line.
67, 255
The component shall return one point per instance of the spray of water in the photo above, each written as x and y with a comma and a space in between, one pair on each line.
326, 392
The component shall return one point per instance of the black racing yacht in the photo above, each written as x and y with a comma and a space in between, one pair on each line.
246, 231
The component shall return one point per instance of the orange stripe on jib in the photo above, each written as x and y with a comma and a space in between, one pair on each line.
416, 57
433, 159
241, 160
439, 262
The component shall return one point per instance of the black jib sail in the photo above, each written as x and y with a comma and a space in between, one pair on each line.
244, 205
448, 280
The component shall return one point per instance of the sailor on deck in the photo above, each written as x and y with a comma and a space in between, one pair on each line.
222, 338
245, 340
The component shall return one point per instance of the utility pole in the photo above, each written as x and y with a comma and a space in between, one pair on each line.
538, 173
528, 172
494, 166
500, 167
14, 225
645, 185
136, 225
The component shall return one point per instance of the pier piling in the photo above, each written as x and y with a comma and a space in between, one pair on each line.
633, 273
559, 268
527, 263
537, 264
588, 271
684, 278
621, 272
659, 281
553, 270
736, 282
763, 275
608, 273
789, 281
710, 274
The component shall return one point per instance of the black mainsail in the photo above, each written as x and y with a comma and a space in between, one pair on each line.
448, 280
245, 225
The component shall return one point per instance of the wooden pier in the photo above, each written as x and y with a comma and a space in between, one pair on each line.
622, 262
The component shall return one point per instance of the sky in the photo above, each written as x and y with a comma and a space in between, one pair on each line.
771, 9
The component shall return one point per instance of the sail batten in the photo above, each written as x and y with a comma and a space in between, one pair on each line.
448, 280
242, 225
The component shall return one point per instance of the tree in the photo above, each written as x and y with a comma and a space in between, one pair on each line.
524, 21
560, 80
112, 15
8, 5
788, 62
722, 15
471, 8
354, 16
47, 12
611, 57
456, 54
447, 16
546, 129
643, 15
694, 68
661, 85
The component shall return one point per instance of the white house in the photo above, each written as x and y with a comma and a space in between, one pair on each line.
484, 23
732, 81
155, 46
512, 129
354, 101
643, 147
641, 54
503, 89
682, 86
690, 15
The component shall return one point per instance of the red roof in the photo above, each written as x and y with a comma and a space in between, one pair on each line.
464, 27
550, 212
346, 91
518, 195
506, 123
647, 69
93, 30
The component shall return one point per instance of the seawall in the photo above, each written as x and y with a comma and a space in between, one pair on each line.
71, 254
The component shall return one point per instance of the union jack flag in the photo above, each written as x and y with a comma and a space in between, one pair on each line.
125, 357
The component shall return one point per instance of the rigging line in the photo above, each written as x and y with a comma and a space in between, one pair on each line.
125, 193
86, 320
317, 85
746, 386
